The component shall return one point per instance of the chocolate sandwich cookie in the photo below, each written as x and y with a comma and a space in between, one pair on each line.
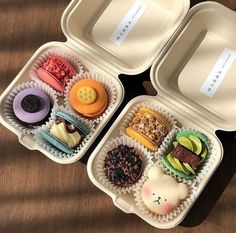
123, 166
30, 103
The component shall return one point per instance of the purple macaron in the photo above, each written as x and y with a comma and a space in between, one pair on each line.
32, 106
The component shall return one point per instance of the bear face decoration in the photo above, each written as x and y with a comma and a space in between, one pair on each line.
161, 193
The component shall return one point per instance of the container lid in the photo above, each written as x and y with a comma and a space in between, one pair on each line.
126, 36
198, 71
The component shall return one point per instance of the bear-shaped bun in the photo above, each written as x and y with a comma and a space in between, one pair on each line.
161, 193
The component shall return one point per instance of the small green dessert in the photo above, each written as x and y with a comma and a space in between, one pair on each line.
191, 149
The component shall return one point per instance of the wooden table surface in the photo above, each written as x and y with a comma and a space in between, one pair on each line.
38, 195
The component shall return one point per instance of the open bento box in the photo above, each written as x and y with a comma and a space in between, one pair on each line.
193, 74
107, 38
93, 59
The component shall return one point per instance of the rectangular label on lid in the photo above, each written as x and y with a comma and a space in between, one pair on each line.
128, 22
218, 73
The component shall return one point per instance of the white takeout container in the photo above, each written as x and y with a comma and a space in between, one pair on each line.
176, 42
77, 23
181, 67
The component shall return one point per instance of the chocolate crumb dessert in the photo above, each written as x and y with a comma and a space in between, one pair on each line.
123, 166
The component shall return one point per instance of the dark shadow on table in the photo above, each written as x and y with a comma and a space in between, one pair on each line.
94, 222
194, 2
217, 183
9, 4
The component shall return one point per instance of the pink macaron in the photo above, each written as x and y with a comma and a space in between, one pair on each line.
56, 72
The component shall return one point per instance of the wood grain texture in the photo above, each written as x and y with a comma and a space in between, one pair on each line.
38, 195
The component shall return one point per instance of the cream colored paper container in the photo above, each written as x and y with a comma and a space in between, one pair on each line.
83, 44
164, 46
29, 140
201, 35
128, 205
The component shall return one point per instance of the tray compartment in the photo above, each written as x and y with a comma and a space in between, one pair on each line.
23, 76
126, 201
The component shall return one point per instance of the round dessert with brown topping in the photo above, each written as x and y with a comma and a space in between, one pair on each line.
149, 128
123, 166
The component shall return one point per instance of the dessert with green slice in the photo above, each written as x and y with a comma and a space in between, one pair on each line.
191, 149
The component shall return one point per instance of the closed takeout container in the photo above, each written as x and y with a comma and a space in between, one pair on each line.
193, 73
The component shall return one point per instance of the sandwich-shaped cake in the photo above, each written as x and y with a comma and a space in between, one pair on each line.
89, 98
149, 128
32, 107
56, 72
190, 151
66, 132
